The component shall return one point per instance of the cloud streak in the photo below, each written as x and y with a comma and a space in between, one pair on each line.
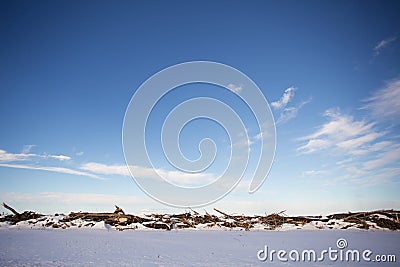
287, 113
105, 169
176, 177
52, 169
382, 44
93, 169
384, 104
285, 99
341, 132
10, 157
384, 158
368, 151
27, 149
290, 113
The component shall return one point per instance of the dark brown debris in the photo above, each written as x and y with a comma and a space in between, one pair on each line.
113, 219
388, 219
18, 217
360, 219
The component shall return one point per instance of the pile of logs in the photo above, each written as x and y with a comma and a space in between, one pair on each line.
382, 218
113, 219
389, 218
17, 217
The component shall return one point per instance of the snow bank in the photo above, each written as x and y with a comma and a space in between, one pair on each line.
87, 247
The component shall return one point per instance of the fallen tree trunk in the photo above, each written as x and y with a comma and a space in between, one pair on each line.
223, 213
18, 217
10, 209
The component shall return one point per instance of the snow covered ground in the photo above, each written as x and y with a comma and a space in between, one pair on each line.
55, 240
102, 246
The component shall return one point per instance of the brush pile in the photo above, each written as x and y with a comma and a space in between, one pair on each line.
17, 217
380, 219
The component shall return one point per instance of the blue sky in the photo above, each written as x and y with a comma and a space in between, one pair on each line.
330, 72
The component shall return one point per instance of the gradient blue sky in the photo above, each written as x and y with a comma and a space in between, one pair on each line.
330, 69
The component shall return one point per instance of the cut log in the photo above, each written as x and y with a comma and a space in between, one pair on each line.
10, 209
223, 213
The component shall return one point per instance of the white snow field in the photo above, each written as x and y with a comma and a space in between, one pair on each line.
108, 247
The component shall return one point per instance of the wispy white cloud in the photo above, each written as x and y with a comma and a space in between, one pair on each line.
289, 113
341, 132
355, 143
285, 99
341, 126
382, 44
235, 88
10, 157
105, 169
27, 149
384, 103
368, 151
363, 176
281, 106
384, 158
93, 169
24, 161
176, 177
314, 145
58, 157
51, 169
373, 169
